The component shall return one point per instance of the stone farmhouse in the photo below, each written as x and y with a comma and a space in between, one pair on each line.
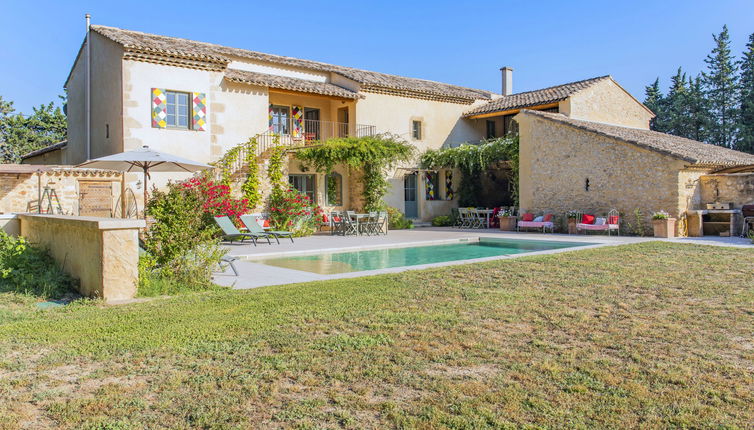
584, 145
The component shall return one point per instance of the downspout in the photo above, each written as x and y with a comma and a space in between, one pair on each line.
88, 91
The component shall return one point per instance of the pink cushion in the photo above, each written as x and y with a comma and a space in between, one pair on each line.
527, 217
593, 227
587, 219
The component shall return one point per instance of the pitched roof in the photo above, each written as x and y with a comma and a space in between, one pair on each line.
288, 83
535, 98
16, 169
188, 53
692, 151
46, 149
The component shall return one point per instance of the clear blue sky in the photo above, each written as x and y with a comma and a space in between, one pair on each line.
546, 42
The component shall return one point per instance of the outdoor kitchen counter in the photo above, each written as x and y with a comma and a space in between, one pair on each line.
696, 221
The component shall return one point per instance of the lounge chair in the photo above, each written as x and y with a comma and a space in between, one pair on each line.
231, 233
250, 221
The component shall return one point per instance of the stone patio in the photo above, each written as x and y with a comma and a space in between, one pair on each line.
252, 275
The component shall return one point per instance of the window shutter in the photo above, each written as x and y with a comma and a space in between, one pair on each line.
199, 110
297, 114
448, 185
430, 185
159, 108
269, 117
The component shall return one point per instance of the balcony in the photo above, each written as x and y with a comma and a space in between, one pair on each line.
306, 131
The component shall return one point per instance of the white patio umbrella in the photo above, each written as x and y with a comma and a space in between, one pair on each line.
146, 160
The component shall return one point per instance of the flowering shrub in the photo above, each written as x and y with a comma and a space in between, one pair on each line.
505, 213
215, 199
292, 211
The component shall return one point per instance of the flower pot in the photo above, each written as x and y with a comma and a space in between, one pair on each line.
507, 223
572, 226
664, 227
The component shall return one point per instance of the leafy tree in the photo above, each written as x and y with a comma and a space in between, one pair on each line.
720, 85
655, 101
21, 133
746, 106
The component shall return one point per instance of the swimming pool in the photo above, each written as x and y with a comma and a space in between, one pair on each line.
357, 261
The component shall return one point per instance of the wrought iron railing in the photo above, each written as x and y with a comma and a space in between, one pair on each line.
308, 132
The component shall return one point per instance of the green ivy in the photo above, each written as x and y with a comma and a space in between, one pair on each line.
372, 155
275, 166
472, 160
250, 186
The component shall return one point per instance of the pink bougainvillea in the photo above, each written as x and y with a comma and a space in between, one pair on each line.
216, 199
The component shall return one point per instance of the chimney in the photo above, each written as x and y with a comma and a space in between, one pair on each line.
507, 80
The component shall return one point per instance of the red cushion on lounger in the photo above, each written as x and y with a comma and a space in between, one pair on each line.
527, 217
612, 219
547, 218
266, 223
587, 219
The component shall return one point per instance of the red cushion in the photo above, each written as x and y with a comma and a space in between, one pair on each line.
266, 223
527, 217
324, 218
587, 219
547, 218
612, 219
336, 218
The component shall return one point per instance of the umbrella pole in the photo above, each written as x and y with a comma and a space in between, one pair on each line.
145, 192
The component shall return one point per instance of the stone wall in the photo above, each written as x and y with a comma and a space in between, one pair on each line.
557, 160
728, 187
102, 253
607, 102
17, 191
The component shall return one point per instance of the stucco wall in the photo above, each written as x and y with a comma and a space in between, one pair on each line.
607, 102
102, 253
106, 102
556, 160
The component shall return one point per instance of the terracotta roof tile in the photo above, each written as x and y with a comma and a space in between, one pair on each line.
288, 83
190, 51
692, 151
534, 98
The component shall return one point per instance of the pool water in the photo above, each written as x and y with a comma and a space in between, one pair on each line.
357, 261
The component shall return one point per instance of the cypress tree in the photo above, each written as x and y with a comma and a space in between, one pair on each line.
697, 110
654, 100
746, 106
720, 86
676, 104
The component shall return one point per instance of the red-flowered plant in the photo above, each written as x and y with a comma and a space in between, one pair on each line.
215, 199
295, 212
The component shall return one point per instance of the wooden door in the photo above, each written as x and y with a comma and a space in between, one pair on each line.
95, 198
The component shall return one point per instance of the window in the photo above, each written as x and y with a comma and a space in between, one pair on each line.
416, 130
334, 189
177, 106
510, 127
304, 184
491, 129
280, 119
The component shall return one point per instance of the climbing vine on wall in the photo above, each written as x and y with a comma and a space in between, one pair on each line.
472, 160
250, 186
372, 155
275, 167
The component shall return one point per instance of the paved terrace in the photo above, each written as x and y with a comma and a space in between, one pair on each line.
253, 274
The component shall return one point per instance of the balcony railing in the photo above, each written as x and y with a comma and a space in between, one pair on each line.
307, 132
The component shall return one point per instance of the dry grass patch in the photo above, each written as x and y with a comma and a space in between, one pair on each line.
647, 335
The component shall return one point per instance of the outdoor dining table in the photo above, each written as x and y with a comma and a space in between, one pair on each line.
358, 217
487, 214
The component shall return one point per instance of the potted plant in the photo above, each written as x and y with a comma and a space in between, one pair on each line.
572, 221
663, 224
507, 220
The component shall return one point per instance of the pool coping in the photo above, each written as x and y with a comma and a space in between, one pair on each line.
293, 276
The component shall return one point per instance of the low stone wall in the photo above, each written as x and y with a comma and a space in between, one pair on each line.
9, 224
102, 253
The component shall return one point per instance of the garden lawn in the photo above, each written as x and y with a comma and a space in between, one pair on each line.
649, 335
